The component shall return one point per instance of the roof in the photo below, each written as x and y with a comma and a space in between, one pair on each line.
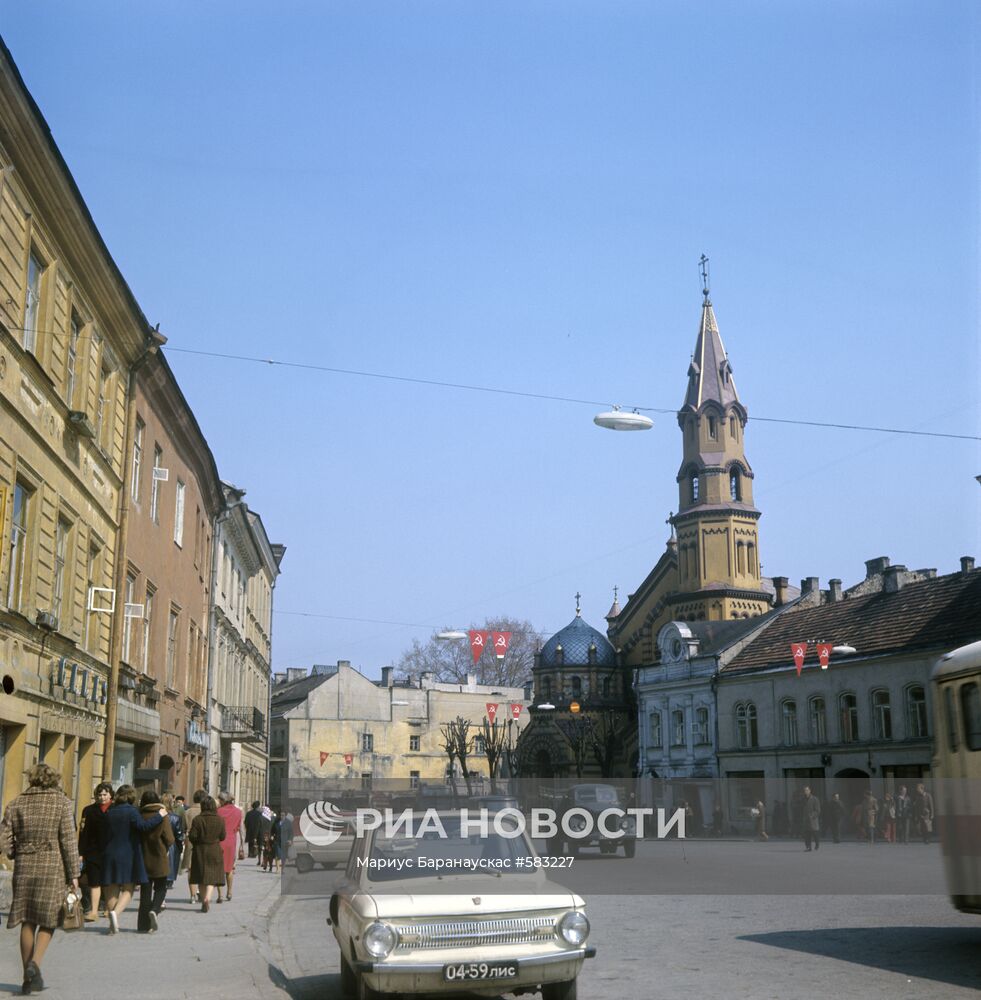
287, 696
929, 615
710, 375
714, 637
576, 639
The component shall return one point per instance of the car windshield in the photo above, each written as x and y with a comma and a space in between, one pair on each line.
597, 793
447, 851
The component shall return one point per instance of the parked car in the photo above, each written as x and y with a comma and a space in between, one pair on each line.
413, 931
595, 799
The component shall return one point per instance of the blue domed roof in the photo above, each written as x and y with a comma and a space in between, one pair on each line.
575, 640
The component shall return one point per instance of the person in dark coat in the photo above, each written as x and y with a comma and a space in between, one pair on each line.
190, 814
811, 819
836, 813
174, 852
253, 828
157, 842
91, 837
38, 832
207, 862
122, 855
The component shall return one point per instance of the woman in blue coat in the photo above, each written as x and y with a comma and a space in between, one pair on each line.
122, 852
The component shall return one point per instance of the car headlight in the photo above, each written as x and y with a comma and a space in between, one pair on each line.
577, 823
628, 824
379, 939
574, 928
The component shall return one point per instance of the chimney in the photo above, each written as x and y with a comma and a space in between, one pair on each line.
343, 663
426, 679
809, 585
279, 678
873, 567
834, 591
892, 581
780, 584
387, 679
967, 564
295, 674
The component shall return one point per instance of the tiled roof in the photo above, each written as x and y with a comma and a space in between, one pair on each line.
287, 696
575, 639
938, 614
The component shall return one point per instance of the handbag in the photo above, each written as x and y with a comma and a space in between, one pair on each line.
71, 917
241, 853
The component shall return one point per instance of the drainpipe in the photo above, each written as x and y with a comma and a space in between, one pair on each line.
269, 687
154, 340
213, 639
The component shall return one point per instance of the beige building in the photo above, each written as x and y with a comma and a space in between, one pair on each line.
70, 331
338, 731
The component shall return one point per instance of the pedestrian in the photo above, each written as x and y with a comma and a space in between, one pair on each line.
810, 808
92, 836
265, 849
156, 843
38, 831
836, 813
904, 812
870, 814
717, 819
233, 844
253, 826
122, 859
207, 863
923, 813
759, 810
887, 818
190, 814
176, 849
277, 841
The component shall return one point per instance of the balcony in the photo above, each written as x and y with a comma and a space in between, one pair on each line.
244, 724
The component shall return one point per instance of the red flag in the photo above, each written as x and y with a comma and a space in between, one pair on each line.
323, 757
349, 759
516, 707
491, 711
478, 640
824, 653
501, 640
799, 650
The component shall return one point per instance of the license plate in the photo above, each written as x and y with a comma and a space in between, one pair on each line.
469, 971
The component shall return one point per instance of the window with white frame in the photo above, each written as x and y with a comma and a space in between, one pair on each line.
93, 577
700, 728
916, 713
747, 735
32, 304
179, 513
881, 715
414, 742
71, 363
819, 720
137, 459
848, 717
130, 593
678, 727
655, 736
172, 627
479, 745
367, 743
151, 593
17, 563
155, 485
788, 712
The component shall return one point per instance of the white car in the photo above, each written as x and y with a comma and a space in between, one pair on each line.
411, 930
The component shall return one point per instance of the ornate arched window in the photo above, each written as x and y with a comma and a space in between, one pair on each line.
735, 485
678, 728
694, 487
746, 732
700, 730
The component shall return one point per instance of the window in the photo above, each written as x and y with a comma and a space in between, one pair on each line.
62, 536
546, 688
413, 779
71, 365
713, 428
93, 578
366, 781
414, 744
130, 593
694, 489
789, 715
155, 485
819, 720
367, 743
881, 715
700, 731
179, 514
17, 563
479, 745
971, 713
656, 737
732, 427
848, 717
137, 459
746, 732
576, 687
735, 486
103, 415
147, 625
916, 714
32, 304
172, 626
678, 728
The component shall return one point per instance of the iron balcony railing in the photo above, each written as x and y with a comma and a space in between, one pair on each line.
244, 724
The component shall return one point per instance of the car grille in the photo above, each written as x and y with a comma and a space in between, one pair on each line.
467, 933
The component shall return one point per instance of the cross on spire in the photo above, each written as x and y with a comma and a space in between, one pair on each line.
704, 271
670, 521
578, 598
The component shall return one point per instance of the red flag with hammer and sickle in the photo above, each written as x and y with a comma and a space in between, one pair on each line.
478, 640
348, 759
799, 650
501, 640
516, 707
824, 654
491, 711
323, 757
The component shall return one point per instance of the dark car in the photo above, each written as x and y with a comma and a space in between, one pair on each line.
595, 799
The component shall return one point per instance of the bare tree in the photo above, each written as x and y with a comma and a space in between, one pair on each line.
458, 745
578, 731
452, 661
496, 744
608, 734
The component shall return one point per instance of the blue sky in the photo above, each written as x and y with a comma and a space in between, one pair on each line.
516, 195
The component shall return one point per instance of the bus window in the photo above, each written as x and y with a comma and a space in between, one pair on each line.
971, 712
950, 710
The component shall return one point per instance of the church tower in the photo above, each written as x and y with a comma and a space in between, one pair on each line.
716, 523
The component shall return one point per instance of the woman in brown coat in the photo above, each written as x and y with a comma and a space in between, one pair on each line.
207, 862
38, 831
156, 859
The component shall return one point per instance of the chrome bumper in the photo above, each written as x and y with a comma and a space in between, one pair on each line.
423, 967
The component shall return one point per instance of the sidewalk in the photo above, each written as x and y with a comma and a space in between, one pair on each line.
194, 956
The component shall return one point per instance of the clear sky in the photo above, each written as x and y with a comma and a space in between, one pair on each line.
516, 195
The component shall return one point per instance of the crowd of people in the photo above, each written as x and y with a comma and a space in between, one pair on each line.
120, 845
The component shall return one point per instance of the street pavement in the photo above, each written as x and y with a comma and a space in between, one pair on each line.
272, 941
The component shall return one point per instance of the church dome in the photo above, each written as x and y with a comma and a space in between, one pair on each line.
575, 641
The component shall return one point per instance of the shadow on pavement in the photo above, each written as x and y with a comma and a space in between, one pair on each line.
944, 954
307, 987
